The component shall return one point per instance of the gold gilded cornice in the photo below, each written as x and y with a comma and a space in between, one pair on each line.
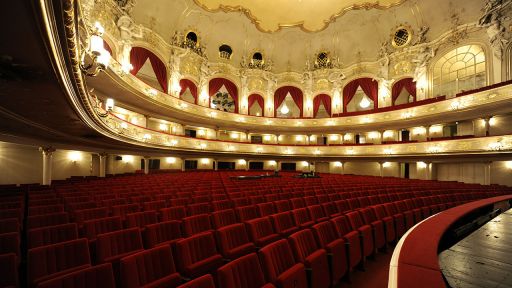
300, 24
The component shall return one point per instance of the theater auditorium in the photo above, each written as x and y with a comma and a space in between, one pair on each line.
248, 144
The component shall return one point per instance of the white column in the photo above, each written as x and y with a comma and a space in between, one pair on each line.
247, 165
103, 164
381, 167
487, 171
47, 164
110, 164
487, 126
343, 167
146, 165
215, 164
182, 164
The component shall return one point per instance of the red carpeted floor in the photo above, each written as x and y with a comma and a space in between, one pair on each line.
375, 274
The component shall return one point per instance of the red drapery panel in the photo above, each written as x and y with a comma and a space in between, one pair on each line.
188, 84
139, 55
107, 47
281, 93
324, 99
217, 83
257, 98
369, 86
406, 83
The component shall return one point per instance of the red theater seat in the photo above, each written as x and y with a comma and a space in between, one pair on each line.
223, 218
163, 233
154, 205
196, 224
9, 225
141, 219
302, 218
92, 277
89, 214
112, 246
352, 237
42, 210
123, 210
47, 220
357, 223
234, 242
150, 268
55, 260
10, 243
197, 255
261, 231
266, 209
389, 224
280, 266
284, 224
247, 213
173, 213
378, 228
307, 251
282, 206
398, 218
244, 272
328, 239
51, 235
92, 228
317, 213
205, 281
199, 208
222, 205
8, 270
297, 203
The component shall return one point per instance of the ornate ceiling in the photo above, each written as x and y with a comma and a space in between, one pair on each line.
355, 36
309, 15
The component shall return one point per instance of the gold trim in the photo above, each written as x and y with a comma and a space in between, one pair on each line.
300, 24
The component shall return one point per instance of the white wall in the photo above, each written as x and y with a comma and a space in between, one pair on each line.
462, 172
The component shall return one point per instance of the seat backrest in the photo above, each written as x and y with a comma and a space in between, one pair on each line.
301, 216
95, 276
259, 228
244, 272
266, 209
9, 225
329, 208
311, 200
51, 235
146, 267
223, 218
48, 209
325, 233
283, 221
205, 281
276, 257
199, 208
174, 213
342, 225
368, 215
47, 260
316, 212
282, 206
222, 205
247, 213
162, 232
232, 236
297, 203
99, 226
391, 208
10, 243
154, 205
342, 206
9, 270
303, 244
355, 220
88, 214
380, 211
194, 249
47, 220
113, 244
141, 219
196, 224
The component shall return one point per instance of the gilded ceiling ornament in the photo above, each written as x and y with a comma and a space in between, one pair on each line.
267, 20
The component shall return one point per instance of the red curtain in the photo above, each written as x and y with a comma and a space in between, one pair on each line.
321, 99
406, 83
107, 47
369, 86
217, 83
188, 84
256, 98
139, 56
281, 93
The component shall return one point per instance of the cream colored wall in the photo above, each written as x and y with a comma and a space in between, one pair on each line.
462, 172
413, 173
20, 164
418, 134
63, 167
362, 168
501, 125
465, 128
128, 164
501, 172
173, 163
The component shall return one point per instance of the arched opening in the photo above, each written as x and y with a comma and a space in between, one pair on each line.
191, 38
152, 72
223, 95
322, 106
188, 91
225, 51
403, 91
256, 105
459, 70
360, 95
288, 102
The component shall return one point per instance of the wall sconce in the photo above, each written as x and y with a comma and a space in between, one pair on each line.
386, 164
127, 158
99, 56
234, 135
304, 163
241, 162
163, 127
272, 162
170, 160
75, 156
174, 142
109, 105
333, 137
205, 161
421, 165
298, 138
338, 164
508, 164
388, 151
266, 137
